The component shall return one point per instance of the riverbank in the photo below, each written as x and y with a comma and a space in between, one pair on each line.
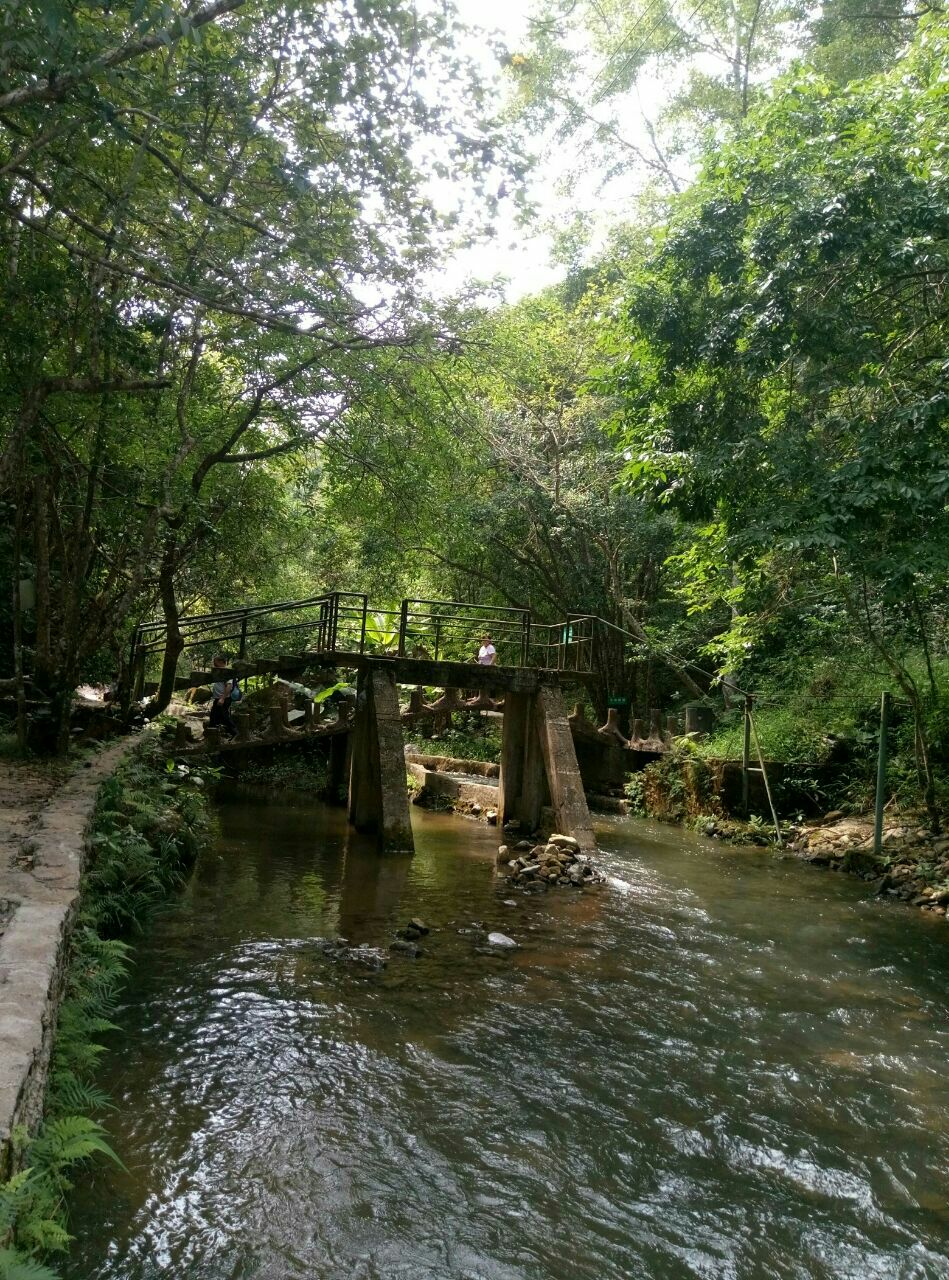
913, 866
99, 843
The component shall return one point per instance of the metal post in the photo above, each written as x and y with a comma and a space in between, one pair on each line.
362, 634
403, 626
746, 758
885, 700
138, 685
321, 629
438, 634
242, 650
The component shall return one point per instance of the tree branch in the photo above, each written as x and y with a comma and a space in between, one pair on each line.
56, 87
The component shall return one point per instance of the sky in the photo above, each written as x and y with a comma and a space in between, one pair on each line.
523, 259
522, 255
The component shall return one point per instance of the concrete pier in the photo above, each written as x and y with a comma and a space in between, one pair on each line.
378, 794
538, 758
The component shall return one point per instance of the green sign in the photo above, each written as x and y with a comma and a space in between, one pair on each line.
617, 702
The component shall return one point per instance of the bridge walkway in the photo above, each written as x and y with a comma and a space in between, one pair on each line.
420, 643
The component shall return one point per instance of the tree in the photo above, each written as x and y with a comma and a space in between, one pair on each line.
646, 87
785, 362
193, 220
497, 482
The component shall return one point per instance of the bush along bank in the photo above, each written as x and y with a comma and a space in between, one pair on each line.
148, 826
913, 866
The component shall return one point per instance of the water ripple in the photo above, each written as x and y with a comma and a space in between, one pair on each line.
718, 1066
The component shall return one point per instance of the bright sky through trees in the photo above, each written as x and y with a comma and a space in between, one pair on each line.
522, 254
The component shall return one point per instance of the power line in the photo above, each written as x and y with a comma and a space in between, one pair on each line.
640, 48
642, 18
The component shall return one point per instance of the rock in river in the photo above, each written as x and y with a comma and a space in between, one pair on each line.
501, 940
405, 948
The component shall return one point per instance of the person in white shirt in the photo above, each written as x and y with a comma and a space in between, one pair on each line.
487, 653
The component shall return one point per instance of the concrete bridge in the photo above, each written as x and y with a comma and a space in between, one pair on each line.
421, 643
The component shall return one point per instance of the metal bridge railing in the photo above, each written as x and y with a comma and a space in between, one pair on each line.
343, 622
451, 631
564, 646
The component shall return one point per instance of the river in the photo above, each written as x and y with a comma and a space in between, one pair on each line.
720, 1064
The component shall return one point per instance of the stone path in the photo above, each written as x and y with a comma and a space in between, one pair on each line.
44, 811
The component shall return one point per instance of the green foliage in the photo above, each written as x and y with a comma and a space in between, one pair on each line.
634, 793
305, 770
16, 1266
468, 739
781, 366
191, 232
786, 733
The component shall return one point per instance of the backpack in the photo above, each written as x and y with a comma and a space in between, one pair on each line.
236, 692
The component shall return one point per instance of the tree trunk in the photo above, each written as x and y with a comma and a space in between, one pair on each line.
174, 641
42, 663
18, 631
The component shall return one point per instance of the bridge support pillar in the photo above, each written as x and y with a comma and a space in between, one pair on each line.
538, 757
378, 794
571, 815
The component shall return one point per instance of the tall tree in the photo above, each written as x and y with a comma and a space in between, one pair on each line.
211, 220
785, 364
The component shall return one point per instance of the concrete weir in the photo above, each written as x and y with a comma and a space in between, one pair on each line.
41, 891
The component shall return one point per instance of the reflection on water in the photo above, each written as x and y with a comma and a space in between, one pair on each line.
719, 1065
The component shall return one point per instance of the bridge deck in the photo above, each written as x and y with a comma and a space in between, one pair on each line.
408, 671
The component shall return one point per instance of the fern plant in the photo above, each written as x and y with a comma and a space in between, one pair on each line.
146, 831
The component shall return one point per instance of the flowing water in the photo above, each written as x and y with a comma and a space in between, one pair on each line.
718, 1065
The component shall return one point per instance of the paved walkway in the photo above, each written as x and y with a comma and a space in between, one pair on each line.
44, 811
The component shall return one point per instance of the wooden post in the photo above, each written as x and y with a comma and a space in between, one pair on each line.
885, 700
746, 759
279, 724
571, 815
138, 685
779, 839
242, 720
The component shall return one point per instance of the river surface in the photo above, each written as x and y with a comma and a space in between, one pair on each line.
721, 1065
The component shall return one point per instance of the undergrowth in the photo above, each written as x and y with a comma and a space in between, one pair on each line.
469, 738
148, 825
293, 769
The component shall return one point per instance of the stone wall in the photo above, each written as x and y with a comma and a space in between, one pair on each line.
40, 885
